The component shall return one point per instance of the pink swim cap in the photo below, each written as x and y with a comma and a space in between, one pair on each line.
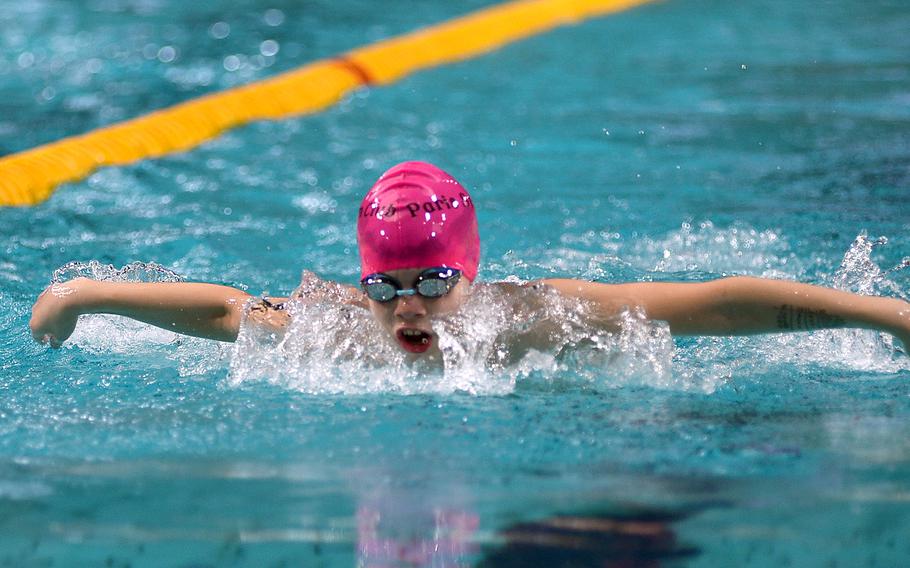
417, 216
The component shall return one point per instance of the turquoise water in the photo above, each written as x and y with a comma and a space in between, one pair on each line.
683, 140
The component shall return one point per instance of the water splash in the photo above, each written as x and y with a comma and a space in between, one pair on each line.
859, 273
332, 346
537, 337
132, 272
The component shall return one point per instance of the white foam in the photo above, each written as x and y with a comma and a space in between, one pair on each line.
333, 347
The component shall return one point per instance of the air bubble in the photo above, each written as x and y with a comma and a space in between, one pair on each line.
269, 48
231, 63
273, 17
220, 30
167, 54
25, 60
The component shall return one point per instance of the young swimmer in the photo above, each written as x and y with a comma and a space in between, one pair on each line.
419, 253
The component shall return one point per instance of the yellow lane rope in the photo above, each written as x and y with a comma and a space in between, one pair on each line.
29, 177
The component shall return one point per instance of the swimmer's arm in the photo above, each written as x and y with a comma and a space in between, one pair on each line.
744, 306
202, 310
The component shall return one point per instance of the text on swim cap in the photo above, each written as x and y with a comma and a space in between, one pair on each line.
441, 203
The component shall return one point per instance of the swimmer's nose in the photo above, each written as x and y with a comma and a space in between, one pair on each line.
410, 307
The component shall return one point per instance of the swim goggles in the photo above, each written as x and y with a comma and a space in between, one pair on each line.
431, 283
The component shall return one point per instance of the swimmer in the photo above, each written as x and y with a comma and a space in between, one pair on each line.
419, 254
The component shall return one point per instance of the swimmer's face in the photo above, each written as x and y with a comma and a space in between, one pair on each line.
408, 318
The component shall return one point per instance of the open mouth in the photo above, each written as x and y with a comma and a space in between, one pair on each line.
414, 340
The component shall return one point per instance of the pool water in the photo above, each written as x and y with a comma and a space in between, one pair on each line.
677, 141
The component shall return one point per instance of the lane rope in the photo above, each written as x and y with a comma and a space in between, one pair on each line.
31, 176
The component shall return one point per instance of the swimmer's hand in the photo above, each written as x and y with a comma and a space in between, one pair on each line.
56, 312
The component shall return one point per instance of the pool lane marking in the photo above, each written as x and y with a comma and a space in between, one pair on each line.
30, 177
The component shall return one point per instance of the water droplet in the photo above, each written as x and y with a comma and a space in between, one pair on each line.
273, 17
167, 54
25, 60
269, 48
231, 63
220, 30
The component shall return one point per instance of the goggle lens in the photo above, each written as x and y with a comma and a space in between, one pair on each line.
379, 291
433, 287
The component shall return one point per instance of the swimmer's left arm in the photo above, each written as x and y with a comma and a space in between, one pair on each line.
745, 305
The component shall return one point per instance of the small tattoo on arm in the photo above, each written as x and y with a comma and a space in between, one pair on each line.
792, 318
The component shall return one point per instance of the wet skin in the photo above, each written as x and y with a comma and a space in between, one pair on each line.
408, 319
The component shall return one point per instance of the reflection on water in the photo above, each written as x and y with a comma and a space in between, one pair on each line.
625, 540
448, 539
440, 524
421, 529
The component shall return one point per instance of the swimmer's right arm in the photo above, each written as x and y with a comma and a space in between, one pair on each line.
190, 308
